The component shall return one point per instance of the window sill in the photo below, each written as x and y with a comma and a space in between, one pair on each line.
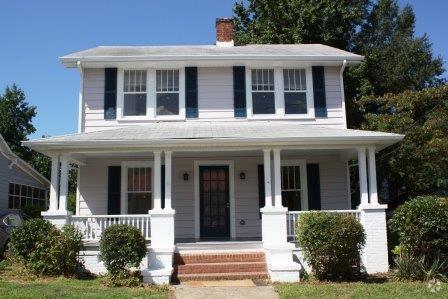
282, 117
150, 119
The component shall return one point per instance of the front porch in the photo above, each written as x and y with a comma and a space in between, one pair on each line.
240, 181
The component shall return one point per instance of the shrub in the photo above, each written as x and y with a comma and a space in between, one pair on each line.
331, 243
45, 249
422, 226
121, 247
25, 238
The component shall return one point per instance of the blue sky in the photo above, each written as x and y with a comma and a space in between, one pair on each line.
35, 33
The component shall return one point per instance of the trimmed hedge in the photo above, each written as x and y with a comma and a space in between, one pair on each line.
121, 247
45, 249
331, 243
422, 226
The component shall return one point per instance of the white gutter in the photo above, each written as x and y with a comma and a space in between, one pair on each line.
341, 80
80, 95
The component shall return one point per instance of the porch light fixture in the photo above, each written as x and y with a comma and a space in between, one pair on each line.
186, 176
242, 175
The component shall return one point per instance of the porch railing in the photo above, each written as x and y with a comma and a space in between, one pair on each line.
92, 226
293, 217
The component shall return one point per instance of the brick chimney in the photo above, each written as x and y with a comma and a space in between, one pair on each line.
225, 32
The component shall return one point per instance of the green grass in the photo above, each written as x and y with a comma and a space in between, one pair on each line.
360, 290
15, 282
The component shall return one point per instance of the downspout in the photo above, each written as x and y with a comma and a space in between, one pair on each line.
341, 80
80, 104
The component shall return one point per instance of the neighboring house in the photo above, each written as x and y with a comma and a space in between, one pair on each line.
20, 184
220, 143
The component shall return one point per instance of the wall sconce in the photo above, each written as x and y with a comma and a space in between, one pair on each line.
185, 176
242, 175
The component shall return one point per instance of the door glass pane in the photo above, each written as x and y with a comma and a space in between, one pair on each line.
139, 203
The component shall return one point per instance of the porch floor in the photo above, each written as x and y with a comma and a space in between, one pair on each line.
218, 246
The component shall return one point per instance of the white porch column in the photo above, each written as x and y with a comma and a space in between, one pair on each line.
63, 191
58, 215
160, 255
157, 181
54, 187
277, 179
364, 196
168, 171
267, 178
373, 194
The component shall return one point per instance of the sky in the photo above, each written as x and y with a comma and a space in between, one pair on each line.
35, 33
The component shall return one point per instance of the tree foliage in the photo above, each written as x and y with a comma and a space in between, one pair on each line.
419, 164
16, 120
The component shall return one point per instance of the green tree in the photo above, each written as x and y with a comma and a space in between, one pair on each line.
16, 117
419, 164
329, 22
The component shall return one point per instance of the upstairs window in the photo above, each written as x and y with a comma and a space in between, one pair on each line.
21, 196
263, 91
167, 92
134, 91
295, 91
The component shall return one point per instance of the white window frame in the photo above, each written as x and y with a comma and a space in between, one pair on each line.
125, 165
279, 94
303, 179
150, 96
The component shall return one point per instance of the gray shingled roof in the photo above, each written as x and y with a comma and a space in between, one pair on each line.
296, 51
197, 132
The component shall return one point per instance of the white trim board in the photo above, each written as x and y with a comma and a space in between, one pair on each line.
197, 210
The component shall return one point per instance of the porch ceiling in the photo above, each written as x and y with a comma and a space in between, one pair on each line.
207, 135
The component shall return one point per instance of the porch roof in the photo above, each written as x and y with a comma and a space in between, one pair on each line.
215, 134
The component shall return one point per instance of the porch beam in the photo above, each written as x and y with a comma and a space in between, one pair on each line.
364, 196
277, 179
54, 184
267, 178
168, 171
63, 191
157, 181
373, 193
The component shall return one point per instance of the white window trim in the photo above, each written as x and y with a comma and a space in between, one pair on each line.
303, 179
197, 206
150, 96
279, 95
125, 165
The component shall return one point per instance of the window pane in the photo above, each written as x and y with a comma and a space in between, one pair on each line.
263, 79
134, 81
134, 104
263, 103
295, 103
168, 104
11, 202
35, 193
11, 188
291, 200
139, 203
294, 79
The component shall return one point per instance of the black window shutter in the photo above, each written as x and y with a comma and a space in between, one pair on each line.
261, 194
191, 92
162, 180
114, 190
313, 182
320, 101
239, 91
110, 93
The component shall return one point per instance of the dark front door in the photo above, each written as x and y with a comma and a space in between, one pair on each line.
214, 197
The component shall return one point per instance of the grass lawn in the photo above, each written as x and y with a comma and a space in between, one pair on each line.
15, 282
360, 290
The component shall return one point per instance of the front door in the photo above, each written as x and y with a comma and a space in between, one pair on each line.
215, 205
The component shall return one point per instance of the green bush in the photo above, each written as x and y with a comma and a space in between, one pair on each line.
45, 249
25, 238
422, 226
331, 243
121, 247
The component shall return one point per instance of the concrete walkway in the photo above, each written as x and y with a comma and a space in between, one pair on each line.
238, 289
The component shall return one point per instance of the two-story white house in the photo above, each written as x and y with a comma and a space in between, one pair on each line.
214, 150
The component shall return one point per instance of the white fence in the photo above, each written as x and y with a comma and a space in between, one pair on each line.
93, 226
293, 217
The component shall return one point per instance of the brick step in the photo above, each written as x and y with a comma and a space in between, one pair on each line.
183, 259
230, 267
223, 276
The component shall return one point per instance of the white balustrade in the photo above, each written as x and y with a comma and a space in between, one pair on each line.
292, 219
92, 226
